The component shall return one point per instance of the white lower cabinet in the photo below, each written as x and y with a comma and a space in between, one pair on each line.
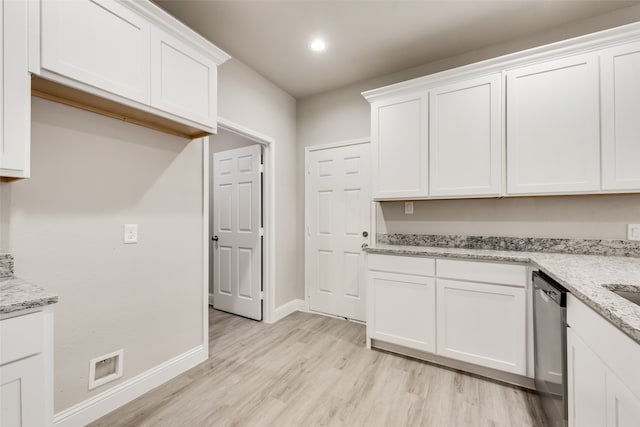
26, 370
470, 311
603, 376
22, 395
482, 324
586, 384
623, 407
403, 310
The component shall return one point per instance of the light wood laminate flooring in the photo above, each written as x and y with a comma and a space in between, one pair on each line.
312, 370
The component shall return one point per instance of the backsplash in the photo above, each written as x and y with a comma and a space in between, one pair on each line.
6, 266
525, 244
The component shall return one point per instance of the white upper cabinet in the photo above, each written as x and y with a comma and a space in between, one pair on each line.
465, 138
183, 80
399, 145
553, 132
620, 86
553, 120
15, 91
100, 43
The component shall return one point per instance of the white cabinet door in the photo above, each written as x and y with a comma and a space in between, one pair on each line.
183, 80
482, 324
465, 138
623, 407
15, 91
586, 384
620, 85
402, 310
100, 43
553, 132
22, 395
399, 147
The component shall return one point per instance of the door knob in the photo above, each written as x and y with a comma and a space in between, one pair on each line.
365, 234
214, 238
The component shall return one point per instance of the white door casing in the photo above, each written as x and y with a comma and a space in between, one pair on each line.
237, 254
338, 213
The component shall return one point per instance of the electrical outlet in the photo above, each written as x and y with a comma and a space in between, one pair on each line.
408, 208
131, 233
633, 232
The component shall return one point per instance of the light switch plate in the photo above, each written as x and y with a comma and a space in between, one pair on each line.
408, 208
633, 232
131, 233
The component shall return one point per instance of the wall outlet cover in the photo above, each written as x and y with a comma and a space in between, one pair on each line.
131, 233
633, 232
408, 208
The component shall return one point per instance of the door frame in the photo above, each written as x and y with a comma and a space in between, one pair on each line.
372, 225
268, 209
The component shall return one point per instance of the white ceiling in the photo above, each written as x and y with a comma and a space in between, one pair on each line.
366, 38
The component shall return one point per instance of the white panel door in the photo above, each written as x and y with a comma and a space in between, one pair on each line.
237, 252
100, 43
586, 384
183, 81
338, 212
402, 310
399, 147
553, 131
620, 85
482, 324
465, 138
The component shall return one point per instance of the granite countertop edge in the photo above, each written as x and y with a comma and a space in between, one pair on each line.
17, 295
583, 275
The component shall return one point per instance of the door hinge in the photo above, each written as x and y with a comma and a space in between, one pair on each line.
261, 232
308, 169
261, 295
308, 230
261, 168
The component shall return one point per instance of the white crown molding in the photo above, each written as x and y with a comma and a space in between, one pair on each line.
577, 45
171, 25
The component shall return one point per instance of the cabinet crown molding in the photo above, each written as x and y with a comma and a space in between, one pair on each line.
173, 26
589, 42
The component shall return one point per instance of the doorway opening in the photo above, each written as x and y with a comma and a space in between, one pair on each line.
241, 222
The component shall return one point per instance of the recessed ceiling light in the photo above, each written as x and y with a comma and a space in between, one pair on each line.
318, 45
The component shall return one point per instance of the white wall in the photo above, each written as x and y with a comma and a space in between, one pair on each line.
90, 175
344, 114
248, 99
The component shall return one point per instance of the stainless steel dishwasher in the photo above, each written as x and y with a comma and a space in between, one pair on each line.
550, 341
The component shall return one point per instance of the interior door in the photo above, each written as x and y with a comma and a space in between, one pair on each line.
237, 249
338, 223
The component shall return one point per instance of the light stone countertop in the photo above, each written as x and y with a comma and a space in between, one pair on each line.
17, 294
583, 275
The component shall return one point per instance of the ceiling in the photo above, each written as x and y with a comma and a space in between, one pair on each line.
366, 38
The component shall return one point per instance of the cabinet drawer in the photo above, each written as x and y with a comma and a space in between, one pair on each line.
402, 264
504, 274
21, 336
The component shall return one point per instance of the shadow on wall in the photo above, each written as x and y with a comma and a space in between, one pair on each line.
579, 217
104, 168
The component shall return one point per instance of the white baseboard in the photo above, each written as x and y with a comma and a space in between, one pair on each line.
210, 299
95, 407
286, 309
